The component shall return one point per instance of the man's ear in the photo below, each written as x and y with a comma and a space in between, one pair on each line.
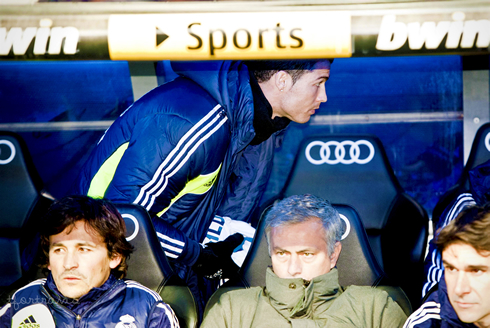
335, 254
115, 260
282, 79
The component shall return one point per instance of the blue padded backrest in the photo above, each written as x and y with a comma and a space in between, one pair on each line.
19, 189
357, 264
479, 154
346, 169
354, 170
480, 149
20, 199
149, 266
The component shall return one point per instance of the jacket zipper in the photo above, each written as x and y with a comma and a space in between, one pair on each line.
78, 317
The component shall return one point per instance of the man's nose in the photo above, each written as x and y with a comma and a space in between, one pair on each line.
70, 260
462, 284
294, 267
322, 94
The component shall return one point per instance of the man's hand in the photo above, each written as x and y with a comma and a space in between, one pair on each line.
215, 260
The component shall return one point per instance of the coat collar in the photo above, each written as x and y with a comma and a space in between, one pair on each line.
298, 298
79, 306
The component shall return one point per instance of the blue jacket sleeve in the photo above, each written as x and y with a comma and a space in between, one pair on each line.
162, 316
427, 316
5, 316
160, 159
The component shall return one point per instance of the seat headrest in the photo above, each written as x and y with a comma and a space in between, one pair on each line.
149, 266
20, 185
479, 154
357, 264
148, 263
346, 169
480, 149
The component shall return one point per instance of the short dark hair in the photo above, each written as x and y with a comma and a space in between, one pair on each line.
99, 215
301, 208
471, 227
264, 69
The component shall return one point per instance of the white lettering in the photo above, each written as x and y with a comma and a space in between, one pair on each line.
20, 40
454, 35
70, 34
393, 35
471, 28
430, 34
17, 38
42, 36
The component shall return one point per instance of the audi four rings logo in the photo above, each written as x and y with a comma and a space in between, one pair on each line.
325, 152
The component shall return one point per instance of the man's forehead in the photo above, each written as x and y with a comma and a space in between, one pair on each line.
465, 254
79, 233
304, 234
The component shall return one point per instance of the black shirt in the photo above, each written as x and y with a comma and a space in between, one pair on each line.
263, 123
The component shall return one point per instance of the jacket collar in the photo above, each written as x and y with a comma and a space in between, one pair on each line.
263, 123
80, 305
297, 298
229, 83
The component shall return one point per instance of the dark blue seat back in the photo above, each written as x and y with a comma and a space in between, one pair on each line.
354, 170
19, 187
22, 206
480, 149
357, 264
356, 253
149, 266
325, 167
479, 154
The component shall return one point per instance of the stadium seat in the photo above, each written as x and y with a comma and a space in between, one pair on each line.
354, 170
22, 203
149, 265
479, 154
357, 264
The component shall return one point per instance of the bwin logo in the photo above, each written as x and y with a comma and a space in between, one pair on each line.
393, 35
20, 39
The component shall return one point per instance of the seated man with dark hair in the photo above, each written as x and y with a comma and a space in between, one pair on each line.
302, 288
84, 248
477, 194
462, 298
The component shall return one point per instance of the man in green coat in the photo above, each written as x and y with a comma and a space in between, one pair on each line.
302, 288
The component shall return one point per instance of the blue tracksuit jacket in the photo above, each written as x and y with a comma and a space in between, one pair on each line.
478, 194
436, 312
117, 303
182, 151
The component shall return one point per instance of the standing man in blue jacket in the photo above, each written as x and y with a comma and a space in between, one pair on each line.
84, 247
200, 147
